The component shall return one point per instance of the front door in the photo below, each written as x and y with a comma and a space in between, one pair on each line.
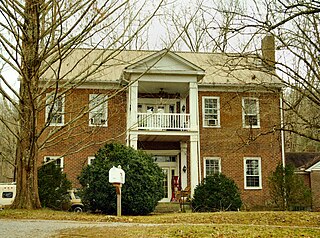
168, 164
169, 173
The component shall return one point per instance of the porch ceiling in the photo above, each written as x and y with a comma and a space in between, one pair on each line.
168, 87
163, 138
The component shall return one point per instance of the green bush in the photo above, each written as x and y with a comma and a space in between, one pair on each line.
216, 193
143, 186
287, 189
53, 186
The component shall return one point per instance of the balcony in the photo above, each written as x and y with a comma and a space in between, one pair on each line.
164, 121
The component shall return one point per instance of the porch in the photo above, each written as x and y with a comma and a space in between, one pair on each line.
163, 121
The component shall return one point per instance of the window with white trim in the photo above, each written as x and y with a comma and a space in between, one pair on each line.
90, 160
212, 165
252, 173
250, 112
58, 160
98, 110
211, 111
55, 110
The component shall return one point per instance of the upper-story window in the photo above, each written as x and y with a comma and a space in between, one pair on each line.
250, 113
98, 109
57, 160
211, 111
252, 173
55, 110
212, 165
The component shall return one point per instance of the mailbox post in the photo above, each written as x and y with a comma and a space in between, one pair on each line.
117, 178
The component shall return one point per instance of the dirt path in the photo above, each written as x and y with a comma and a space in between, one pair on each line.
44, 228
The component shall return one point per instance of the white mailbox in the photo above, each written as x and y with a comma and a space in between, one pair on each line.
116, 175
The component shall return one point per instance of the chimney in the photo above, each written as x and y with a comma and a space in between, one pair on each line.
268, 51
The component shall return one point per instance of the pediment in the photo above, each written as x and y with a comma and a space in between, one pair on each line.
164, 61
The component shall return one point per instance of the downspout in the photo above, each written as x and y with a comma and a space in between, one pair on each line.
283, 151
282, 132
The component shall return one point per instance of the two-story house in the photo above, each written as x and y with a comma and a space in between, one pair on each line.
196, 113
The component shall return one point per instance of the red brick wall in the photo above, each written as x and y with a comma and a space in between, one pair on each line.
79, 140
232, 143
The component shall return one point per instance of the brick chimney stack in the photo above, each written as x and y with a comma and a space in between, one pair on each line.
268, 51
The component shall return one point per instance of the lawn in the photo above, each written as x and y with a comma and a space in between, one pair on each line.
218, 224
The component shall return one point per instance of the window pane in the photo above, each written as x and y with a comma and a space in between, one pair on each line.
250, 110
98, 109
212, 166
211, 112
253, 181
252, 173
250, 106
7, 195
55, 110
251, 120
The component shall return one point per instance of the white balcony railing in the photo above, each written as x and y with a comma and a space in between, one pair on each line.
163, 121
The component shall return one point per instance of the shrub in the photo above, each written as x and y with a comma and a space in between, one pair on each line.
287, 189
53, 186
143, 186
216, 193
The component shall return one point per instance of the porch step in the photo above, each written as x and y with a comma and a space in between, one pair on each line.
170, 207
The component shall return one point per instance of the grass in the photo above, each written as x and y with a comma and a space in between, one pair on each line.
219, 224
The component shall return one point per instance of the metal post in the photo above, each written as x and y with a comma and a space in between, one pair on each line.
119, 202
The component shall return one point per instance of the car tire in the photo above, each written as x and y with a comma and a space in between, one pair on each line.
77, 209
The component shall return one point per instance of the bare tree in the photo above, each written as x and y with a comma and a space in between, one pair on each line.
36, 37
295, 27
206, 25
239, 27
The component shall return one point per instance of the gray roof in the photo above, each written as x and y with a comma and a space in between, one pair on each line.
220, 69
302, 160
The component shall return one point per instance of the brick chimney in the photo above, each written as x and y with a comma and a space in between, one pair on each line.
268, 51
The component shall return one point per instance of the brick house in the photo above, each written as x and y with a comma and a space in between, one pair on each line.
196, 113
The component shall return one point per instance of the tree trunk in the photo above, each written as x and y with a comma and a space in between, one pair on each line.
27, 196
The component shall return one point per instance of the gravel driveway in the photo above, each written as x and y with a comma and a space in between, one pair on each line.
10, 228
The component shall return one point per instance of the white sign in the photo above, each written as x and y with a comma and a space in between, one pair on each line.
116, 175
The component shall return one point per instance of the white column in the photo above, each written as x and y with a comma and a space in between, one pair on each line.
134, 141
194, 170
183, 158
193, 105
134, 106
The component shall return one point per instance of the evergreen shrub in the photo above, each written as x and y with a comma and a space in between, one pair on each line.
216, 193
143, 186
53, 187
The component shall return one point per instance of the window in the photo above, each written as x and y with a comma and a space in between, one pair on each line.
55, 159
211, 111
212, 166
91, 159
98, 110
250, 113
7, 195
55, 110
164, 158
252, 173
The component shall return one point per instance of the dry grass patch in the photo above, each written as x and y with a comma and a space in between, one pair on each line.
308, 219
252, 218
47, 214
195, 231
218, 224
